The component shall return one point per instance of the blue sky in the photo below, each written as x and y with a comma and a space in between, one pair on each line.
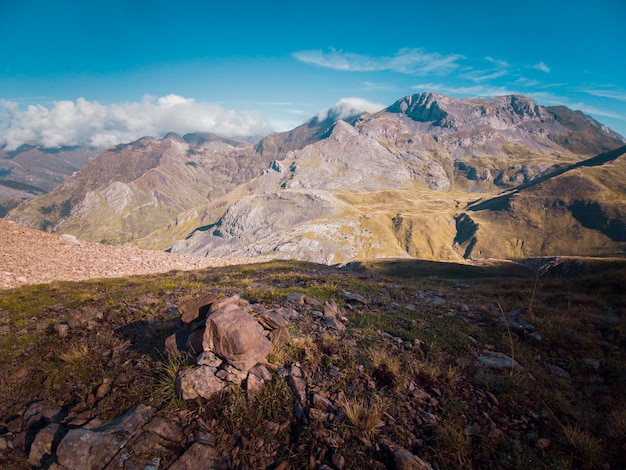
99, 72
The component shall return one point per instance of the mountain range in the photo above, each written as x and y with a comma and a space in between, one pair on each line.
29, 171
429, 177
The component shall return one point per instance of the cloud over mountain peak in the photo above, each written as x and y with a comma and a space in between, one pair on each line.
89, 123
346, 108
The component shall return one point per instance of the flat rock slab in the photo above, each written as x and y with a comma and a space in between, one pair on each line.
96, 448
496, 360
199, 457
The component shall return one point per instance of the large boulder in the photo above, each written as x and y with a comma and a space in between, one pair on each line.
235, 336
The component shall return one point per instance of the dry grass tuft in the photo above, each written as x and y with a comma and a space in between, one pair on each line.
364, 416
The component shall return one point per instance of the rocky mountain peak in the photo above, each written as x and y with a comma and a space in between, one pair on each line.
423, 107
444, 111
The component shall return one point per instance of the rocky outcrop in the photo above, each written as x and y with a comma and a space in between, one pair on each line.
230, 340
101, 446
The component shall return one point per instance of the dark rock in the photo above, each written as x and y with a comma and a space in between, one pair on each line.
280, 336
516, 321
496, 360
404, 460
353, 297
199, 457
41, 413
45, 443
168, 430
96, 448
196, 308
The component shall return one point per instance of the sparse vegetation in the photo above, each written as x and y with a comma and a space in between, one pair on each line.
404, 372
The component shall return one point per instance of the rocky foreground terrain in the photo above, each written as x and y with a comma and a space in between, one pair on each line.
288, 365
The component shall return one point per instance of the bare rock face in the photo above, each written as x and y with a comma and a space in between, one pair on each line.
234, 336
96, 448
315, 193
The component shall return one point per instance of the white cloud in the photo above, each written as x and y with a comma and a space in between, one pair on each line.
407, 61
499, 68
614, 94
89, 123
499, 62
349, 107
542, 66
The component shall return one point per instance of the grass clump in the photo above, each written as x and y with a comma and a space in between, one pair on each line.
167, 371
363, 414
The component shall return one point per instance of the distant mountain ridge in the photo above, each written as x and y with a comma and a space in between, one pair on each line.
29, 171
397, 183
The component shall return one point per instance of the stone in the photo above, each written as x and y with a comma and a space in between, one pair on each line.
496, 360
338, 461
298, 387
261, 372
437, 301
516, 320
299, 298
104, 389
270, 320
472, 430
199, 457
323, 403
194, 309
233, 336
166, 429
404, 460
543, 443
592, 364
41, 413
45, 443
178, 342
254, 386
61, 329
280, 336
353, 297
207, 358
318, 415
295, 298
556, 370
96, 448
334, 324
234, 375
194, 342
234, 300
171, 343
198, 382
